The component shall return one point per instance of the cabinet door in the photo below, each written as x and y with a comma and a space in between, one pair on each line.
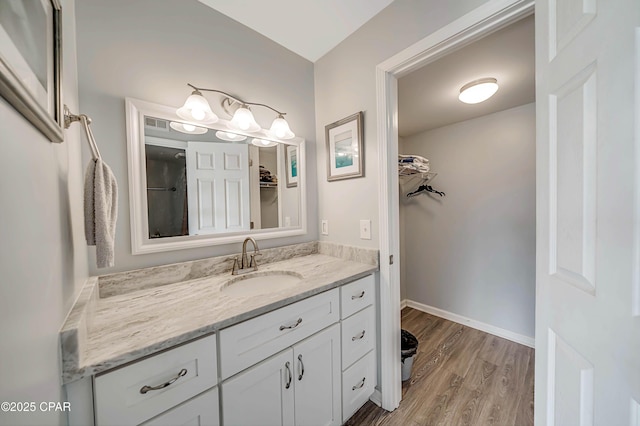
317, 379
261, 395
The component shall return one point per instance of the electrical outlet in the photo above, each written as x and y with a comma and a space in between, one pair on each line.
287, 221
365, 229
324, 227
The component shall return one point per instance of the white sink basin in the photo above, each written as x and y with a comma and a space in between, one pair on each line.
257, 283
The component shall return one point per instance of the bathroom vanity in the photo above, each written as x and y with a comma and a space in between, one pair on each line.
203, 345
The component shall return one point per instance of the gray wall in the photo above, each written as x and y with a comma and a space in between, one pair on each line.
472, 252
345, 82
43, 258
150, 50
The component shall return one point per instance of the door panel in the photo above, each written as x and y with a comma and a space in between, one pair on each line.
261, 395
587, 337
217, 187
317, 379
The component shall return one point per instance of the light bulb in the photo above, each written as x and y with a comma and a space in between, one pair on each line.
188, 128
280, 128
196, 108
243, 120
228, 136
197, 114
263, 143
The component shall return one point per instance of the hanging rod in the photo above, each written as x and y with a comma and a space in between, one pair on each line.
69, 118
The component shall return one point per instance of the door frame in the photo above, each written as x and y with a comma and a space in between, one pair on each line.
488, 18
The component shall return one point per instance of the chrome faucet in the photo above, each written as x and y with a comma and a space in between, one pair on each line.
246, 264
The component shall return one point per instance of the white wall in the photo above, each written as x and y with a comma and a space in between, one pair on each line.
150, 50
472, 252
345, 83
43, 257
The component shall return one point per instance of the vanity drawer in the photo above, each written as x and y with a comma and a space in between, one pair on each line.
119, 397
358, 384
358, 336
252, 341
201, 410
357, 295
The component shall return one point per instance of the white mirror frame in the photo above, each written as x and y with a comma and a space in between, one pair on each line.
136, 110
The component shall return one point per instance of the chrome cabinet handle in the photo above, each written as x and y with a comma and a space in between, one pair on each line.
285, 327
359, 385
146, 388
359, 296
358, 337
287, 366
301, 369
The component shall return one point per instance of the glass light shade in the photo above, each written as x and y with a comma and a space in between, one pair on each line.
196, 108
280, 129
243, 120
188, 128
228, 136
263, 143
478, 91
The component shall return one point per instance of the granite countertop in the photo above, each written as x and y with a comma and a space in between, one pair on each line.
107, 328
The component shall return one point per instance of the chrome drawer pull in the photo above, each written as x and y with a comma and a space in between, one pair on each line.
358, 337
358, 386
360, 296
288, 385
285, 327
301, 369
146, 389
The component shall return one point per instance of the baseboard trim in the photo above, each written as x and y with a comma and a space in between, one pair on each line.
376, 398
487, 328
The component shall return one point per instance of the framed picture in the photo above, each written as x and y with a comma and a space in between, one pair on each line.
30, 62
345, 155
291, 156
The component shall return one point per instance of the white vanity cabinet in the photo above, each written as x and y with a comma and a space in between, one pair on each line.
311, 362
162, 385
299, 386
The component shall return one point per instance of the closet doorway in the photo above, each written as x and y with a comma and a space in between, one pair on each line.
475, 26
467, 186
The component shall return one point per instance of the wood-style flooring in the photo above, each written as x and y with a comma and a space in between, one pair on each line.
460, 376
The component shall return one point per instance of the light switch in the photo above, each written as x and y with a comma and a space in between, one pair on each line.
365, 229
324, 227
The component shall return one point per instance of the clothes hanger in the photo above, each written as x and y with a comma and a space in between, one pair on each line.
425, 188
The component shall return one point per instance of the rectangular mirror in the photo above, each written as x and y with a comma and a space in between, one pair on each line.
192, 186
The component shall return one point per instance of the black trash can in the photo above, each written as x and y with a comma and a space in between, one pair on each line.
408, 350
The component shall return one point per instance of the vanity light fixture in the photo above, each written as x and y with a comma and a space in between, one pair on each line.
230, 137
188, 128
263, 143
197, 109
478, 91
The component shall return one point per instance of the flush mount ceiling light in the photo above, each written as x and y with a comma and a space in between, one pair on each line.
188, 128
478, 91
263, 143
197, 109
230, 137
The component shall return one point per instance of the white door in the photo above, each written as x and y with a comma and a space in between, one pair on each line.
317, 379
262, 395
587, 305
217, 187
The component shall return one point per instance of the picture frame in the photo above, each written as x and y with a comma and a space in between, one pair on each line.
31, 62
291, 161
345, 148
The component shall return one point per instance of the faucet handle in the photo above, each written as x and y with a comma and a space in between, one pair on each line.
253, 263
234, 268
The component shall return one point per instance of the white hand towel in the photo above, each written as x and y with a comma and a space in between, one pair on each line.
100, 211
